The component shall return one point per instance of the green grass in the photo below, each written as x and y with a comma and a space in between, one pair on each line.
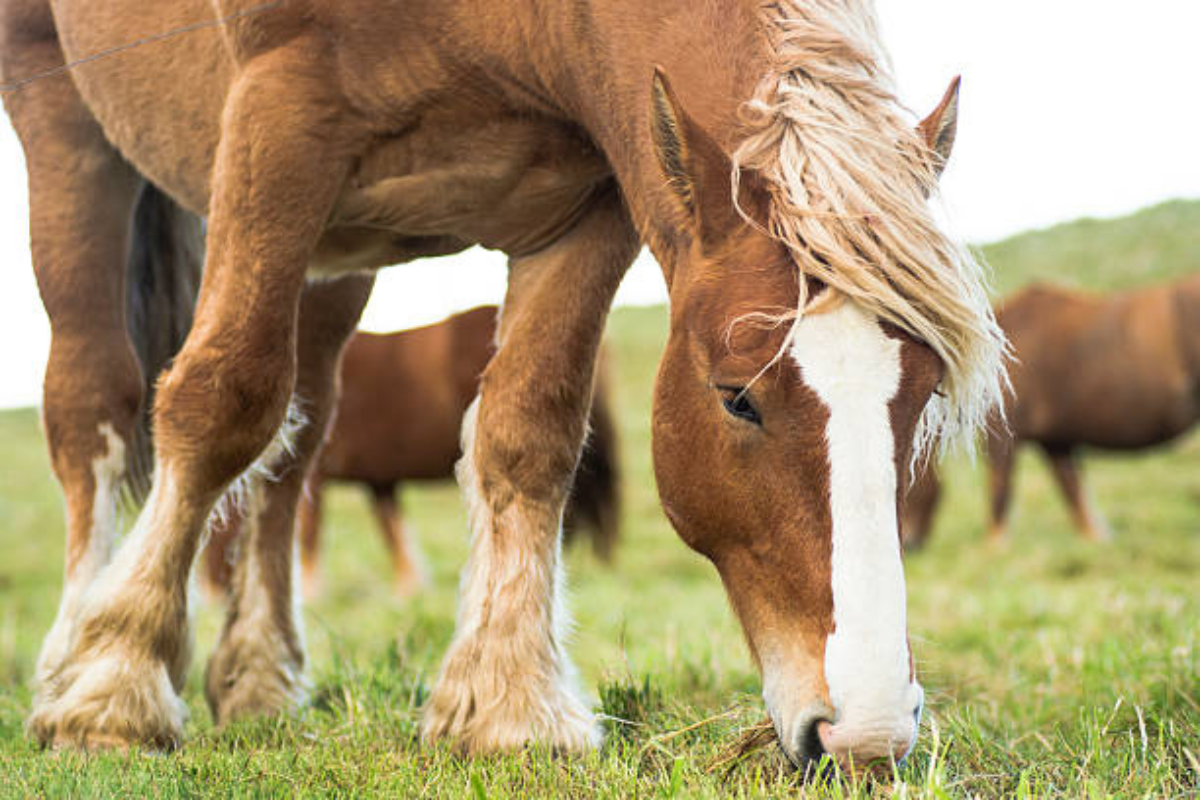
1054, 667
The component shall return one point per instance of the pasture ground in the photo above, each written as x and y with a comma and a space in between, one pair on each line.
1053, 667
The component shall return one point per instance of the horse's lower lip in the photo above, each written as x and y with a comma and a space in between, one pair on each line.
880, 764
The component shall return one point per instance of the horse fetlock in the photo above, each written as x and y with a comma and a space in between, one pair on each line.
115, 697
482, 706
56, 646
254, 673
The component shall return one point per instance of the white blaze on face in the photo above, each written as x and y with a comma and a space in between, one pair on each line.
854, 368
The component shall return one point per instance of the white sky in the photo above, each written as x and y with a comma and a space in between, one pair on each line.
1069, 108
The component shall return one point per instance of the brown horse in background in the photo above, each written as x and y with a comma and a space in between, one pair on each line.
757, 147
398, 417
1116, 372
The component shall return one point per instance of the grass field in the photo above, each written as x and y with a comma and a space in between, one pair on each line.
1053, 667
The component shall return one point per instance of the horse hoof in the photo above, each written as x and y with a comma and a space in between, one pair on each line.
477, 719
253, 676
508, 730
113, 702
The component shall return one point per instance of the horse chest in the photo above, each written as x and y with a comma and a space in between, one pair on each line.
509, 184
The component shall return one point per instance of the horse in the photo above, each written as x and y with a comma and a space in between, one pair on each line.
823, 327
1116, 372
380, 437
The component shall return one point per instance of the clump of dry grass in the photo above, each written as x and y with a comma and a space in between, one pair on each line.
756, 745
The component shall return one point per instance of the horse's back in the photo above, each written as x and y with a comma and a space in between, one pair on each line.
157, 99
1101, 370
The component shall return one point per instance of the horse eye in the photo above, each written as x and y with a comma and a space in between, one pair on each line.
737, 403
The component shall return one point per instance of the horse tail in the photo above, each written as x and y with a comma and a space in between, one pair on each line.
596, 498
162, 278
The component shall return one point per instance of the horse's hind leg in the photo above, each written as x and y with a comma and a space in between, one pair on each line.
258, 664
408, 570
506, 680
308, 534
1064, 463
80, 196
1001, 456
220, 554
219, 407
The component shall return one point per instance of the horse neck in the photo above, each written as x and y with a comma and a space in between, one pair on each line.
597, 63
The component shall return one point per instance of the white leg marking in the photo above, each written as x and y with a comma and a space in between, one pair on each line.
507, 680
117, 684
264, 653
107, 471
258, 665
140, 550
854, 368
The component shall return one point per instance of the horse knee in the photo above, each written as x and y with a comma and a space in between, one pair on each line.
219, 416
521, 457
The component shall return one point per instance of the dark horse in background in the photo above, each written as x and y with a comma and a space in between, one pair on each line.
399, 412
1117, 372
758, 148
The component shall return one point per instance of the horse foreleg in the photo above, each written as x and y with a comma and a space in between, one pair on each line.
506, 680
258, 664
308, 534
280, 164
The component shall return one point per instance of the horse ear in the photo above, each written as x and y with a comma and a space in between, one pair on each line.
691, 160
939, 128
667, 130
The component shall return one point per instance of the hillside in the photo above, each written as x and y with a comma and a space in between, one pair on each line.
1156, 243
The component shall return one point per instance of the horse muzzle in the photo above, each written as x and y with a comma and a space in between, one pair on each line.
857, 740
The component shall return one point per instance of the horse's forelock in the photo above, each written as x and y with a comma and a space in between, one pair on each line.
850, 180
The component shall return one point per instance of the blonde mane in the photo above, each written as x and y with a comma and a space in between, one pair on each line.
850, 181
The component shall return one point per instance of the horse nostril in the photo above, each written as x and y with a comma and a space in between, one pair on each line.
810, 746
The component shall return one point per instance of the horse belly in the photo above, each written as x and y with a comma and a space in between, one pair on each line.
508, 184
1129, 398
158, 100
390, 450
394, 421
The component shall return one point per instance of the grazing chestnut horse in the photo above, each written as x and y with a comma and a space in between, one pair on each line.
402, 399
757, 147
1112, 372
